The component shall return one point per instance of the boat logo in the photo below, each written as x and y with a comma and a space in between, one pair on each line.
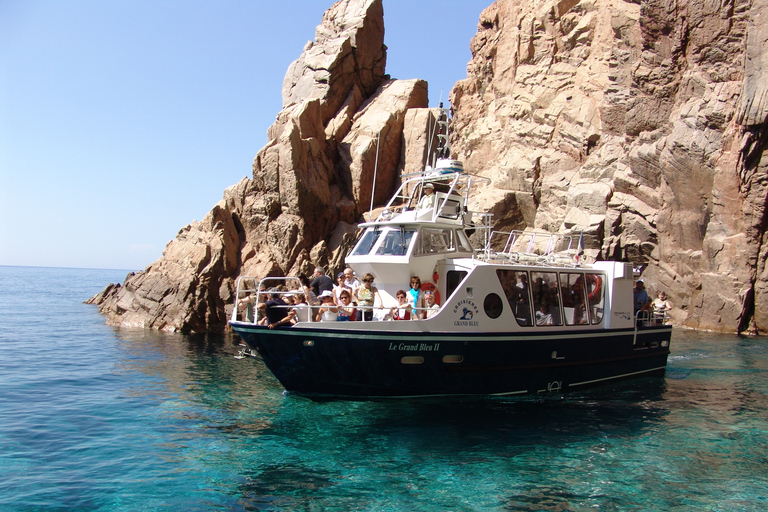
623, 315
468, 310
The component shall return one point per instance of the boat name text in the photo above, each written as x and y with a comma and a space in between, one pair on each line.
415, 347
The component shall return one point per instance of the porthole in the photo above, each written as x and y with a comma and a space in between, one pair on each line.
412, 360
493, 305
453, 359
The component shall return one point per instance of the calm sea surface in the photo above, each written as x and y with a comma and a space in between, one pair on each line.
98, 418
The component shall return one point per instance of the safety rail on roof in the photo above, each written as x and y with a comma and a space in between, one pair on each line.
448, 175
528, 247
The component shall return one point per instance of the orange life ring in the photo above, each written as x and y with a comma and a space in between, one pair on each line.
596, 293
432, 288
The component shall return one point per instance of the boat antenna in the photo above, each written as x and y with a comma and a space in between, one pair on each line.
433, 130
375, 169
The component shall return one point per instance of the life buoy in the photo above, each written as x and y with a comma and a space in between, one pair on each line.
432, 288
594, 288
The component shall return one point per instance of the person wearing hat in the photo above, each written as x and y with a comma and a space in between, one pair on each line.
340, 287
428, 199
328, 311
641, 296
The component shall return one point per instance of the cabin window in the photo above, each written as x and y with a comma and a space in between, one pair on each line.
546, 298
574, 298
463, 242
436, 241
516, 288
366, 242
451, 209
453, 279
595, 296
493, 305
395, 242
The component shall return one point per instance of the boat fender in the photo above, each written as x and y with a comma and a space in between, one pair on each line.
596, 293
433, 289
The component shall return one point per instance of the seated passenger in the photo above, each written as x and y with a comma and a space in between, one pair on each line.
347, 311
403, 310
430, 308
543, 316
329, 311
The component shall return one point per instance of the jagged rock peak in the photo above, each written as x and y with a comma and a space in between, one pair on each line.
310, 183
348, 50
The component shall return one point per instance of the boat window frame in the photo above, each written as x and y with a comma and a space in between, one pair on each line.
376, 231
427, 233
567, 285
406, 249
451, 283
553, 299
519, 298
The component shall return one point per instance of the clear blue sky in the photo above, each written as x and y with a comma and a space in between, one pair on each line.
123, 121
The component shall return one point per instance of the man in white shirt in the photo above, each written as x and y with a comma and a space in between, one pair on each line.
428, 199
350, 279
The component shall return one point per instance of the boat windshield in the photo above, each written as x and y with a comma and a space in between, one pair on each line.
395, 242
366, 242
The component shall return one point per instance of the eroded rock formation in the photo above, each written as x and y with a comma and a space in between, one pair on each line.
641, 122
310, 182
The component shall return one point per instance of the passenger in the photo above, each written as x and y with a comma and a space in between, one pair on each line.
246, 304
415, 295
321, 282
262, 313
428, 199
366, 295
661, 304
301, 308
543, 316
430, 308
340, 287
309, 295
403, 310
276, 311
328, 312
347, 312
350, 279
641, 297
660, 307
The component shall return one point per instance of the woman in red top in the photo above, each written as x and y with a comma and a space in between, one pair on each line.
403, 309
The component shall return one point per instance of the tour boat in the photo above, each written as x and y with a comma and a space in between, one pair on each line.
522, 313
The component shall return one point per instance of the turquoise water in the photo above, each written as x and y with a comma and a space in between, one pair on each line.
99, 418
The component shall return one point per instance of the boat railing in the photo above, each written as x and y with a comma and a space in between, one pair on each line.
252, 293
645, 318
527, 247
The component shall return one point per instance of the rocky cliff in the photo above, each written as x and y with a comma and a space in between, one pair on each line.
644, 120
641, 122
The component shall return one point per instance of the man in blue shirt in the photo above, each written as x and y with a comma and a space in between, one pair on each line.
641, 296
